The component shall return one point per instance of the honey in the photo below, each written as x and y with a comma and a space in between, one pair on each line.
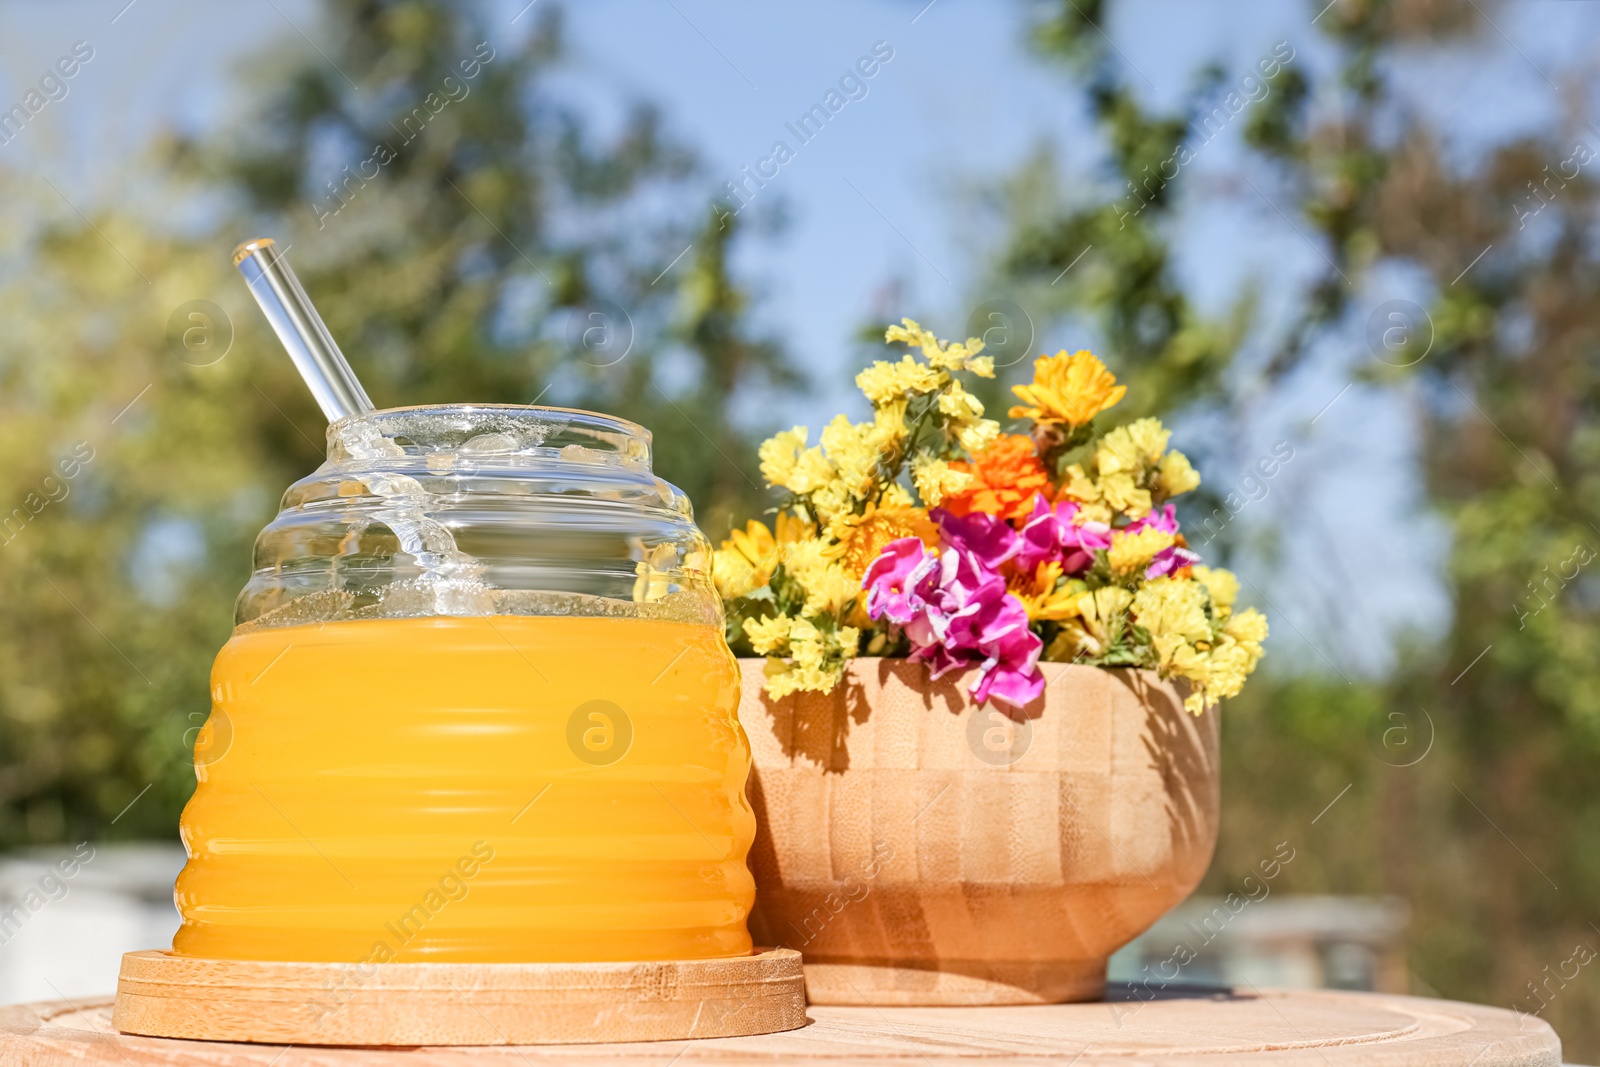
495, 788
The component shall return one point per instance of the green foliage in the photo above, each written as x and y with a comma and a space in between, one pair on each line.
107, 644
1110, 258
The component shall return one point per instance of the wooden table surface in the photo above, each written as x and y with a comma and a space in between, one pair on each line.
1330, 1029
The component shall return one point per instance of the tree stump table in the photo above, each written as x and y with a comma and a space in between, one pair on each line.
1329, 1029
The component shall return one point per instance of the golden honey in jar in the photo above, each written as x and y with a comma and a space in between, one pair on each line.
478, 707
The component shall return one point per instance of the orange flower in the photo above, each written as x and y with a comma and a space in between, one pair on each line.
1005, 478
1071, 389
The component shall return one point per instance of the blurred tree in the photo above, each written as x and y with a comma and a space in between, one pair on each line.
1490, 834
1108, 258
1099, 256
132, 483
697, 431
468, 237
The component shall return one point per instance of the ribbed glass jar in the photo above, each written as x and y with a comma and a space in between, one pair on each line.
477, 708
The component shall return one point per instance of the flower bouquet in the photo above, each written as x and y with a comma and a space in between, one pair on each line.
974, 773
930, 533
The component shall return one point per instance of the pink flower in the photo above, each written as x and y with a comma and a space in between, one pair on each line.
1011, 675
1165, 520
989, 631
988, 537
956, 610
1054, 534
955, 607
1172, 558
891, 581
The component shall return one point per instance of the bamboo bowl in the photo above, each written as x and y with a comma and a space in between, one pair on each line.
920, 850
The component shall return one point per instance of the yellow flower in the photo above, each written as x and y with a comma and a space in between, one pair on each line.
1096, 512
1172, 611
1131, 553
935, 479
1180, 659
954, 356
1133, 448
852, 449
805, 554
1103, 611
790, 529
979, 435
1100, 616
786, 678
812, 472
860, 538
732, 574
806, 644
819, 657
1079, 487
827, 586
813, 646
912, 334
828, 590
938, 354
1224, 669
1123, 459
883, 381
830, 500
957, 403
894, 495
1119, 492
768, 636
788, 464
1222, 585
1070, 389
1039, 594
779, 454
746, 560
1172, 607
756, 544
780, 680
1249, 628
1175, 475
889, 423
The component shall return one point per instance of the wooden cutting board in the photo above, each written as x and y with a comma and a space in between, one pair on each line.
1316, 1029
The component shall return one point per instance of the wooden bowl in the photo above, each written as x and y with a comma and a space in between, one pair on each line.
919, 849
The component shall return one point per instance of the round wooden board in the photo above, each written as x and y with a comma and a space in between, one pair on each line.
1317, 1029
164, 995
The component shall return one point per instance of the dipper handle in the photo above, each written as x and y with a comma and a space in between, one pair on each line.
301, 330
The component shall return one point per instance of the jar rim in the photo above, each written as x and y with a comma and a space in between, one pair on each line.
598, 418
429, 428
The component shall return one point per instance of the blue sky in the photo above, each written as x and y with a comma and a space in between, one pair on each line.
876, 203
